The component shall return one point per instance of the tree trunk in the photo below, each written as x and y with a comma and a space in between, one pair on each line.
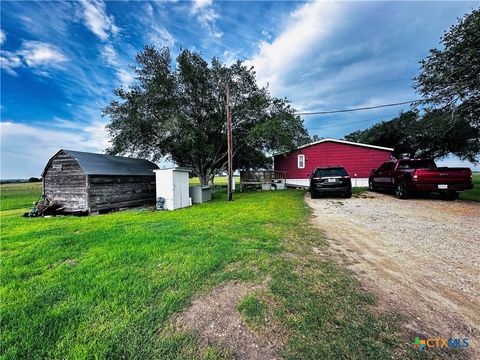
203, 179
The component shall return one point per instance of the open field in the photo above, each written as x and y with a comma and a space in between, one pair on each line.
15, 196
120, 284
219, 181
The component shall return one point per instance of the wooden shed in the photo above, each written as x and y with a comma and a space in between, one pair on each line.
82, 182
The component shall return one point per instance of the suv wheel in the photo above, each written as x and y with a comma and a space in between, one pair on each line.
401, 191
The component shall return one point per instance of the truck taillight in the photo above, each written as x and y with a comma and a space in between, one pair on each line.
415, 177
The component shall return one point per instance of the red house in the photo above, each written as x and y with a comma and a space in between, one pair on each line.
358, 159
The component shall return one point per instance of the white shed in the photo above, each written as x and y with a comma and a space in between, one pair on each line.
172, 185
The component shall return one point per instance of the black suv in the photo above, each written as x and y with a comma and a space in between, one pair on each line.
330, 180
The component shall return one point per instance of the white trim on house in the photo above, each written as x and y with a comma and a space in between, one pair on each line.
298, 182
301, 156
340, 142
356, 182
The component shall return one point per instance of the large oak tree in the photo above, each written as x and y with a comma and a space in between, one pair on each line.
450, 77
177, 111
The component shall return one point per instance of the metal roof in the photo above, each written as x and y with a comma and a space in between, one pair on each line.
341, 142
182, 169
100, 164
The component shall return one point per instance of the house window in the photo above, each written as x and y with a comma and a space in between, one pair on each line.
301, 161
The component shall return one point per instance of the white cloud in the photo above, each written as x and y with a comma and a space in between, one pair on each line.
65, 124
109, 54
306, 27
22, 160
125, 77
111, 58
3, 37
36, 53
229, 57
9, 61
197, 5
154, 32
97, 20
160, 37
206, 15
266, 34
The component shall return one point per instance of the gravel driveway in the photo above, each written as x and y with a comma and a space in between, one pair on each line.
420, 256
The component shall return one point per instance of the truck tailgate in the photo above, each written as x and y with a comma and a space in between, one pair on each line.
444, 176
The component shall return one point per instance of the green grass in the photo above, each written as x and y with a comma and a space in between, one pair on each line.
474, 194
14, 196
219, 181
359, 190
253, 309
106, 286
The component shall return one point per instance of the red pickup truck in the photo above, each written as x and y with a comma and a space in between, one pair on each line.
409, 176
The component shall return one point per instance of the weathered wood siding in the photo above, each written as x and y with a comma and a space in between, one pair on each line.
65, 183
112, 192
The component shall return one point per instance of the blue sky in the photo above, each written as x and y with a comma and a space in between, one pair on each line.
61, 60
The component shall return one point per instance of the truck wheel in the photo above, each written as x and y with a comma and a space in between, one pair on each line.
401, 191
371, 186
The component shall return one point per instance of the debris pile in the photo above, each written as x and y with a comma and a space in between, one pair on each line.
44, 206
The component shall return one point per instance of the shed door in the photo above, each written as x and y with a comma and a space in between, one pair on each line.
177, 190
185, 190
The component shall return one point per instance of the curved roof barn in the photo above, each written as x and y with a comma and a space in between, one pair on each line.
101, 164
82, 182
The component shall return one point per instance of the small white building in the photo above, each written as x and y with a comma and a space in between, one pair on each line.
172, 186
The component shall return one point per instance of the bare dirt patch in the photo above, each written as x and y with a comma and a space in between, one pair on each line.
214, 318
420, 256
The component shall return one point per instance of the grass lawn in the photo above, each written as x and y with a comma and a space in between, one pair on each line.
106, 286
219, 181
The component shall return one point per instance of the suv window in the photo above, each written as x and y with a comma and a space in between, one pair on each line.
340, 171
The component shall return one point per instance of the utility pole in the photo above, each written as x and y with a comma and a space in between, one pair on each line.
229, 146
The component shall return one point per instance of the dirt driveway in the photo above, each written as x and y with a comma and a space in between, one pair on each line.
420, 256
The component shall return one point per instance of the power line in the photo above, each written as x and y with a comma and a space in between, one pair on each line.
358, 109
352, 122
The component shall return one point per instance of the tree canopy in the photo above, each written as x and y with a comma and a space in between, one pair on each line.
450, 78
178, 112
449, 120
